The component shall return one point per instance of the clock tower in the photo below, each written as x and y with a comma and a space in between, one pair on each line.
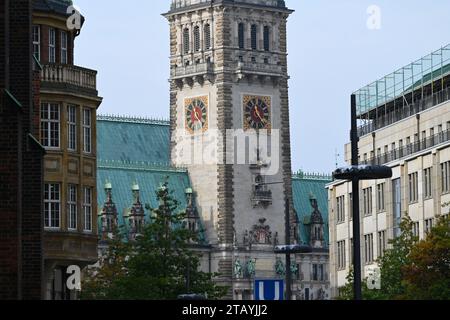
229, 115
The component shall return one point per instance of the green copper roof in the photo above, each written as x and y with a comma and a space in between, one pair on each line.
123, 176
133, 139
304, 186
135, 151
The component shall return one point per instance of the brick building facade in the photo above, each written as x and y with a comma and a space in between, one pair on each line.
21, 157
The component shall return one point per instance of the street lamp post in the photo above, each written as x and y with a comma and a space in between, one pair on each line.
356, 173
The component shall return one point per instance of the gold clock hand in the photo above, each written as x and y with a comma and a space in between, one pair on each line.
196, 115
258, 114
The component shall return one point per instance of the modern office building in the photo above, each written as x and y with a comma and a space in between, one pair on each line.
404, 123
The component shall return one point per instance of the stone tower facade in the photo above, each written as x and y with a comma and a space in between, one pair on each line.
230, 127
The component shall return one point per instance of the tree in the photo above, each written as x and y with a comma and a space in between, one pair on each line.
391, 264
427, 275
159, 265
391, 268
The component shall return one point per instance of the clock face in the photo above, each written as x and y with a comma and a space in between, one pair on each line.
257, 113
196, 113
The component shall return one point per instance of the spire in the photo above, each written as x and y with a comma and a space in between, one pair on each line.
192, 217
108, 214
136, 215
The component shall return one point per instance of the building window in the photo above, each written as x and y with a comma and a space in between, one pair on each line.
341, 254
87, 130
382, 243
186, 40
340, 209
350, 206
318, 272
72, 206
72, 128
207, 36
63, 47
381, 203
416, 230
396, 206
52, 205
368, 248
37, 42
266, 38
427, 187
445, 177
367, 201
428, 225
241, 39
254, 36
87, 206
351, 250
50, 126
413, 187
51, 45
196, 38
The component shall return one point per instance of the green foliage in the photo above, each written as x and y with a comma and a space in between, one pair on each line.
392, 262
411, 269
159, 265
427, 274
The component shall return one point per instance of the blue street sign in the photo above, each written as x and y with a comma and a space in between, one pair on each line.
269, 290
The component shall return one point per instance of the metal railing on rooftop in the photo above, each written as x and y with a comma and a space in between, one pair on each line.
177, 4
408, 79
409, 149
403, 113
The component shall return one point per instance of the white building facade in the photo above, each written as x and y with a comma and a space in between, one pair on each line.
405, 124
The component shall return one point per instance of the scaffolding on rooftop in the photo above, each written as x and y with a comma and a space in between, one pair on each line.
405, 92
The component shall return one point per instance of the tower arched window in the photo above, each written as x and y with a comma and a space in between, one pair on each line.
241, 36
266, 38
196, 38
186, 40
254, 35
207, 36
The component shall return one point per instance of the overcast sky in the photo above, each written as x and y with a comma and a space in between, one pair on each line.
332, 53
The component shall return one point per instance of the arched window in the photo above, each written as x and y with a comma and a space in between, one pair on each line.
207, 36
186, 40
254, 33
196, 38
266, 38
241, 35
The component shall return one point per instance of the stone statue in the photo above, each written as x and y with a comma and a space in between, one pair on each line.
251, 268
294, 269
321, 294
275, 239
246, 239
280, 269
237, 269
